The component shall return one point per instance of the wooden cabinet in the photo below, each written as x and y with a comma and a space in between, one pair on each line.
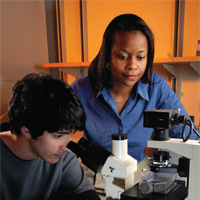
159, 15
191, 29
175, 25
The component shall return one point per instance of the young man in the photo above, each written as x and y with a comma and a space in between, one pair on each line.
35, 165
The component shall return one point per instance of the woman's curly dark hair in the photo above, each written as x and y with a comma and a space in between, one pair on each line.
98, 74
42, 103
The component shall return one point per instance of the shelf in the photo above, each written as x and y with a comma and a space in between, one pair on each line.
172, 64
186, 59
79, 69
68, 64
177, 60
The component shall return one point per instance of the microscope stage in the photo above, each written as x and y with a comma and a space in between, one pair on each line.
178, 193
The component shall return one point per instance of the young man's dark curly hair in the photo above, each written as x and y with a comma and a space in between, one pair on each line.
43, 103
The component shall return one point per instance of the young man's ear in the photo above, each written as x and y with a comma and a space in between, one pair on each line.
25, 132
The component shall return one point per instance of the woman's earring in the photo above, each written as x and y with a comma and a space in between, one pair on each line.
107, 65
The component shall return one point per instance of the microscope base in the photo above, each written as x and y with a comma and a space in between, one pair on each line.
179, 193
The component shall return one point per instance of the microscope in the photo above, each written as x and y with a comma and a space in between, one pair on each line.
161, 181
117, 168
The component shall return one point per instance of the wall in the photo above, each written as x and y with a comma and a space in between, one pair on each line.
23, 44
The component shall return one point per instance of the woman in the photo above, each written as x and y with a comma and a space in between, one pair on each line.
121, 85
